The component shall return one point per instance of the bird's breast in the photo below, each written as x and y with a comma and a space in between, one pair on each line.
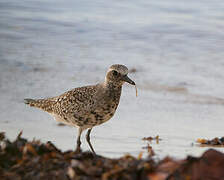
108, 106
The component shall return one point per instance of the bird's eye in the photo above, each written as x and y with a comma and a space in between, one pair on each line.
115, 73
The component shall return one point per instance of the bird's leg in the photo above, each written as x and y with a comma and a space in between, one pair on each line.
78, 141
88, 140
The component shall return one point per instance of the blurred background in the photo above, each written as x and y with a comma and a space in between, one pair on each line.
173, 48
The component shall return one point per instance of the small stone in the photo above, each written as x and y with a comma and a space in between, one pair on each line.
71, 172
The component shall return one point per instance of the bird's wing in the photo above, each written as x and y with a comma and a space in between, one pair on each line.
77, 101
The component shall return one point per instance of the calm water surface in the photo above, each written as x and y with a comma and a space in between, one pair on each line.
50, 46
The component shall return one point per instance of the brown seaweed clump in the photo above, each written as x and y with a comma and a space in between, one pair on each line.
33, 160
23, 160
150, 139
214, 142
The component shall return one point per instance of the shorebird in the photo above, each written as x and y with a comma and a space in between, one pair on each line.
88, 106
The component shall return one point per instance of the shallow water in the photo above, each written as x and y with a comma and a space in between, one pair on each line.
48, 47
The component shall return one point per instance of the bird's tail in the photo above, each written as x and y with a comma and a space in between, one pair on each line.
44, 104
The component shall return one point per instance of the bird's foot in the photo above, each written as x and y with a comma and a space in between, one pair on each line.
78, 150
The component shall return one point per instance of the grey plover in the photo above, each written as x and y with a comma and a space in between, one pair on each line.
88, 106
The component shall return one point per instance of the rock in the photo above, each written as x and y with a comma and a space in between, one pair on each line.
209, 166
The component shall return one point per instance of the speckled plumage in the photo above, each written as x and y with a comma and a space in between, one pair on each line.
88, 106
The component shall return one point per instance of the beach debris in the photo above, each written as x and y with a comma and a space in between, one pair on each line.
2, 136
136, 91
140, 155
149, 150
156, 138
214, 142
23, 159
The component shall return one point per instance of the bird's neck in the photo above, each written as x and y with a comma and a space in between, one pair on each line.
112, 92
113, 86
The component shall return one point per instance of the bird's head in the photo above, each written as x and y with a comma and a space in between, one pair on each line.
117, 74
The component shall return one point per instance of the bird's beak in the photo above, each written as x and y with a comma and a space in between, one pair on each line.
128, 80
